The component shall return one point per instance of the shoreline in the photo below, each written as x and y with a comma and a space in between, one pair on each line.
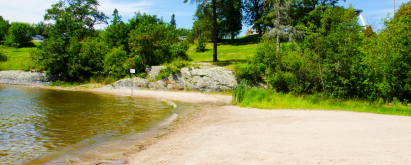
217, 133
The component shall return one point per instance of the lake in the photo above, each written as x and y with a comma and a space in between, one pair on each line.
36, 122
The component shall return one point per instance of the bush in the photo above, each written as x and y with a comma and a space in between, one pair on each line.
167, 71
250, 72
3, 56
201, 44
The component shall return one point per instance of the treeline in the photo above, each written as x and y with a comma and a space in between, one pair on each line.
335, 57
75, 51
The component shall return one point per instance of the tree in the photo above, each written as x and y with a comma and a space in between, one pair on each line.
282, 22
116, 18
20, 33
232, 17
4, 28
214, 33
173, 21
69, 51
116, 34
75, 17
254, 10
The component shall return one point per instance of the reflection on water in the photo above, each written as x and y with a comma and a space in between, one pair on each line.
35, 122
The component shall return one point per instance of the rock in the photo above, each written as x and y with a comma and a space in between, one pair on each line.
213, 79
25, 78
153, 71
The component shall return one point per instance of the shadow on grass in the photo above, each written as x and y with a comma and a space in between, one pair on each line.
245, 40
223, 63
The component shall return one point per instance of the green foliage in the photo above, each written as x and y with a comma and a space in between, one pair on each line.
251, 72
167, 71
386, 64
172, 68
115, 62
173, 21
201, 44
19, 34
232, 17
3, 56
116, 34
153, 43
4, 29
75, 18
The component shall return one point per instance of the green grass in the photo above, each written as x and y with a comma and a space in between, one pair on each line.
17, 59
228, 54
269, 99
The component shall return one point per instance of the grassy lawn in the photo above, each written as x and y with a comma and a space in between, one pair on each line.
228, 54
17, 60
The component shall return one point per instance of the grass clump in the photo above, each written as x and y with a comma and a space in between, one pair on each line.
246, 96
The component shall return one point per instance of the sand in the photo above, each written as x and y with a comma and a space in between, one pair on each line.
225, 134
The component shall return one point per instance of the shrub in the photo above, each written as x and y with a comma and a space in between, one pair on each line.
252, 73
3, 56
201, 44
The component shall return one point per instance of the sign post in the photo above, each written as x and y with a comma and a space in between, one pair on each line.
131, 77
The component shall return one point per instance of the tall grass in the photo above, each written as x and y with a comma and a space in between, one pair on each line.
245, 96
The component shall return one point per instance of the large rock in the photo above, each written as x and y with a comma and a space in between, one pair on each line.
205, 79
25, 78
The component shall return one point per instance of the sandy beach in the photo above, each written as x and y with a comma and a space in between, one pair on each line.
224, 134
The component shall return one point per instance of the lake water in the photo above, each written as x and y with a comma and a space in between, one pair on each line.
35, 122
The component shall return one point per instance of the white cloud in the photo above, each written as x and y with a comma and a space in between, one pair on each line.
124, 9
32, 11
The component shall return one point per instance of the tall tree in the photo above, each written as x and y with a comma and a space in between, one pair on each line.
232, 17
214, 35
75, 17
282, 27
173, 20
69, 50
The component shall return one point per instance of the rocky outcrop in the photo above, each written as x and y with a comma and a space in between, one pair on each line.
207, 79
25, 78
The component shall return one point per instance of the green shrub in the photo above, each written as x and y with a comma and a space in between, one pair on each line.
250, 72
167, 71
201, 44
3, 56
114, 62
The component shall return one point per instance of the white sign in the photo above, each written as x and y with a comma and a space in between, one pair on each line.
132, 71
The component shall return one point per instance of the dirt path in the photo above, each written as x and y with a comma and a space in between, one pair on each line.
233, 135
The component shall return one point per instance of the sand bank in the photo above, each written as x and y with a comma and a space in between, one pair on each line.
233, 135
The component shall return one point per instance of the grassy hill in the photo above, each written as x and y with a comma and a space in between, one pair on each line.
229, 53
17, 60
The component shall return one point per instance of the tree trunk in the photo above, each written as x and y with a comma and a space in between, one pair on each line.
215, 35
232, 34
279, 22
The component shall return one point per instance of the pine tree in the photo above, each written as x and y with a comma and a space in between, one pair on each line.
173, 21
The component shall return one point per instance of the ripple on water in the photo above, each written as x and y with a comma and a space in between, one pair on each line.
36, 122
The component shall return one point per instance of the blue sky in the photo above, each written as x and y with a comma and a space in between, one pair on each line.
32, 11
